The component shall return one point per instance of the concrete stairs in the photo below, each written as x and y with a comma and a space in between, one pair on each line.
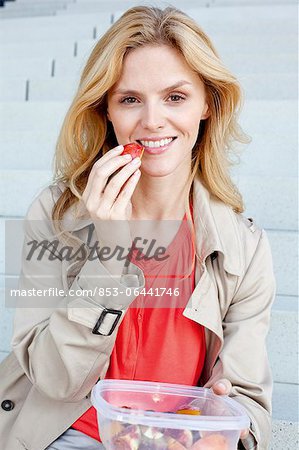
44, 45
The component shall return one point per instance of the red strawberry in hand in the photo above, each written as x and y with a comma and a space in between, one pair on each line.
134, 149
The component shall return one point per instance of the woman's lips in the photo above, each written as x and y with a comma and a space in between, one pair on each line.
157, 150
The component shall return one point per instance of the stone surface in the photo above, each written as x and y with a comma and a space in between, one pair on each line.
284, 435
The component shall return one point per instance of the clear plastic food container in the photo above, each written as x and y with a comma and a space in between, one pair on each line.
141, 415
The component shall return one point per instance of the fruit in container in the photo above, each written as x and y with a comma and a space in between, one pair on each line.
183, 437
151, 432
211, 442
152, 438
113, 428
173, 444
127, 439
191, 411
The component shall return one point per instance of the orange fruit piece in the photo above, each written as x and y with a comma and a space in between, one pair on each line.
192, 412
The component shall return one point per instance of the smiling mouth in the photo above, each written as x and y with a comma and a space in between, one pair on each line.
157, 144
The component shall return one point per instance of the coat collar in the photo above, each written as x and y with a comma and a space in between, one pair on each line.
216, 227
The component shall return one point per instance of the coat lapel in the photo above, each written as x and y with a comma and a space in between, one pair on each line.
215, 231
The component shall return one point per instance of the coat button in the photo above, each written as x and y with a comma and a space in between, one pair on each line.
7, 405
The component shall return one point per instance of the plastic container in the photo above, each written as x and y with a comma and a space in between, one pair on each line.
141, 415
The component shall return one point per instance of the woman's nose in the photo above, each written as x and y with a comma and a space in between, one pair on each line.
152, 117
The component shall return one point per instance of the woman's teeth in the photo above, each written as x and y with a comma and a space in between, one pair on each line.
155, 144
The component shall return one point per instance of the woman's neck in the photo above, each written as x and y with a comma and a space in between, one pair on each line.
160, 198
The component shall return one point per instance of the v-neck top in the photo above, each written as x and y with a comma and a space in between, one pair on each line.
155, 342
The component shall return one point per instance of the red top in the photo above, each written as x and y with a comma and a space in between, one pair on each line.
155, 342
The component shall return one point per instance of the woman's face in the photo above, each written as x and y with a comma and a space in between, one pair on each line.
159, 102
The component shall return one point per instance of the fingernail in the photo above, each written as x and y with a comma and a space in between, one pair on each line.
128, 157
118, 148
136, 161
222, 386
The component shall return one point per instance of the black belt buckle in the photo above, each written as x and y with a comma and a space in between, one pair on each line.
101, 319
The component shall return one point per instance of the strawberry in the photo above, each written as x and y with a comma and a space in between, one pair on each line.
134, 149
211, 442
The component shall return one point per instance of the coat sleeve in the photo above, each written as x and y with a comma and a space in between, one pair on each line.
53, 337
243, 358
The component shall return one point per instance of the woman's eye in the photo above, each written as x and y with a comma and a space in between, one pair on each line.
176, 98
129, 100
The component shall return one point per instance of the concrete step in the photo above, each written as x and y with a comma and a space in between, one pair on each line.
14, 9
37, 149
285, 402
284, 435
265, 200
42, 2
32, 6
27, 68
20, 187
251, 2
283, 345
23, 116
53, 28
265, 150
11, 14
53, 89
253, 42
241, 65
57, 33
10, 28
284, 246
13, 89
45, 49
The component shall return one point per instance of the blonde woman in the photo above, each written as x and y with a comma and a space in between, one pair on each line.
155, 79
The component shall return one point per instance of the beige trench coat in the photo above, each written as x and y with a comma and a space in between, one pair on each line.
62, 359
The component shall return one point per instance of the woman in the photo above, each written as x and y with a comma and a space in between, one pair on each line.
155, 79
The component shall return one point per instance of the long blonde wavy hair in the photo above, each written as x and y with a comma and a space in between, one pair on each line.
86, 133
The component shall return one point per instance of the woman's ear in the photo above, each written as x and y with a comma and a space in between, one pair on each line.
108, 115
205, 113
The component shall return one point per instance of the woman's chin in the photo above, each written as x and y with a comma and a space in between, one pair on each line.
159, 173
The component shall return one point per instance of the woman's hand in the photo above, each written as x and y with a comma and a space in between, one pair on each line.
111, 199
223, 387
108, 201
217, 441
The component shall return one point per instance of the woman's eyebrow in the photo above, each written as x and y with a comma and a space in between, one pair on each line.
169, 88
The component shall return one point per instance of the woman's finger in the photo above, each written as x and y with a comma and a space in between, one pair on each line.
244, 434
116, 151
108, 155
116, 184
126, 193
100, 177
222, 387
